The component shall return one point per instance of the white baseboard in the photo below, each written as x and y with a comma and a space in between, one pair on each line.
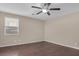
64, 45
39, 41
18, 44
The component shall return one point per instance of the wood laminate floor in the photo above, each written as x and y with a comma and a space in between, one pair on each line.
38, 49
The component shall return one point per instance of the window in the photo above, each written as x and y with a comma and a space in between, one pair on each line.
11, 26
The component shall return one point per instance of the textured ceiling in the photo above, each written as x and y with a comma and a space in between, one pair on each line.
26, 10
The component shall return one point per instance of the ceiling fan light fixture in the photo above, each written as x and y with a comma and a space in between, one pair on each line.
44, 10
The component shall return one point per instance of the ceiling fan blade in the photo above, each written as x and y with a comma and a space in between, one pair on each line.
39, 12
49, 4
48, 13
36, 7
54, 8
46, 5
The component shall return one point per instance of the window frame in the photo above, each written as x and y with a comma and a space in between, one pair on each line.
5, 27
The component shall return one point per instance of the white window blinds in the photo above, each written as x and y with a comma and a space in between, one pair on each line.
11, 25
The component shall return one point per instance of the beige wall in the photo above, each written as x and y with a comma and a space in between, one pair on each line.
63, 30
31, 30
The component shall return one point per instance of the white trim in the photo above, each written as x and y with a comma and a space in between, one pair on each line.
64, 45
18, 43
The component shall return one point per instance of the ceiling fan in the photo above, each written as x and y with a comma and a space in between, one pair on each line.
45, 9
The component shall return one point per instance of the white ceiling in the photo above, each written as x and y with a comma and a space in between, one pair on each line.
26, 10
